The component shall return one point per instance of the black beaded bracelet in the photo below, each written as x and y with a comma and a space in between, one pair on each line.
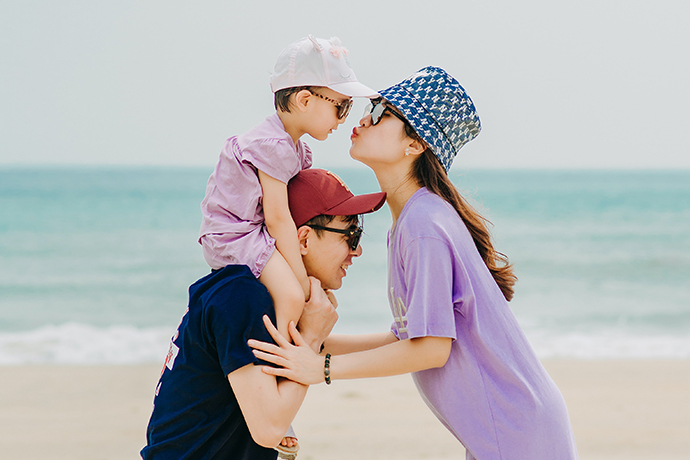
327, 369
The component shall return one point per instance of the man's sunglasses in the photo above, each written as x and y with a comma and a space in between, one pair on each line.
377, 110
343, 107
354, 234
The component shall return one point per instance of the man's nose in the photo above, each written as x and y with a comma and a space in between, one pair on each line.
357, 252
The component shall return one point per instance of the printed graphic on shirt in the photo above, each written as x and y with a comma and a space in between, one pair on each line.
172, 354
169, 359
399, 315
173, 350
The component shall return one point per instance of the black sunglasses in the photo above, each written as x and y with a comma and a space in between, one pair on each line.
343, 107
354, 234
377, 110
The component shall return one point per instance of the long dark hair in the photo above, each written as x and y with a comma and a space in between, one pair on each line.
428, 172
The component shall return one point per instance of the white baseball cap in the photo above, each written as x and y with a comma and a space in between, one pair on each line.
315, 61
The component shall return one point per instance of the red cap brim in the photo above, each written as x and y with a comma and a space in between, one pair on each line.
360, 204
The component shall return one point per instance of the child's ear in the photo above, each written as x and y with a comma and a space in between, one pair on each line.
302, 99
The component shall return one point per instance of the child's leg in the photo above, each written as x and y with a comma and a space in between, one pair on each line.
286, 291
288, 299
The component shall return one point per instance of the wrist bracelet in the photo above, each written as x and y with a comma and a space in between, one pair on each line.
327, 369
323, 345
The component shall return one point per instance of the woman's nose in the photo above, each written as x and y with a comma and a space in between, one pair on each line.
357, 252
365, 120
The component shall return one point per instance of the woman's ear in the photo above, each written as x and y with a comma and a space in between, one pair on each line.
302, 99
415, 147
303, 234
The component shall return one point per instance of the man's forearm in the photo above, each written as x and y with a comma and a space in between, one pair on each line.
291, 395
268, 406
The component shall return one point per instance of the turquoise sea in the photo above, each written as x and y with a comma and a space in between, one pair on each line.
95, 262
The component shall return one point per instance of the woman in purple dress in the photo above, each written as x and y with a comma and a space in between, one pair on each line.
448, 289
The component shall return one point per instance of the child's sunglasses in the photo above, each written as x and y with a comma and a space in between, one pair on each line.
343, 107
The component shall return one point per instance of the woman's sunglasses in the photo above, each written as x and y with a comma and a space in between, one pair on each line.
376, 110
354, 234
343, 107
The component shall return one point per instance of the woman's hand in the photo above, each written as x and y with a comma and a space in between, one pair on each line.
299, 362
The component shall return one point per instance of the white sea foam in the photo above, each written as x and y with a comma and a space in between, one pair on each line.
75, 343
613, 344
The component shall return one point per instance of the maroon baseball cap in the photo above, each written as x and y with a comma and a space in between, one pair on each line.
313, 192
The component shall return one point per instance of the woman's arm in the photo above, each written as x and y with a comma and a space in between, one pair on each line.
400, 357
300, 363
341, 344
281, 226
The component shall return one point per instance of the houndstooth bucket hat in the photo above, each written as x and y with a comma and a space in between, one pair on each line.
439, 110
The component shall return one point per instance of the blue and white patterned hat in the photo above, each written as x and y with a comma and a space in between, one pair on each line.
439, 110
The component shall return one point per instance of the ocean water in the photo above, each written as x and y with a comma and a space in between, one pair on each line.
95, 262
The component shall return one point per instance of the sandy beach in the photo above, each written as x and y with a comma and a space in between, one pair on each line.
619, 409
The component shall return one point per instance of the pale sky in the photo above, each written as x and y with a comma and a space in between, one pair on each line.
587, 84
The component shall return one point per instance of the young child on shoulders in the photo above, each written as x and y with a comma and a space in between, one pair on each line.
245, 210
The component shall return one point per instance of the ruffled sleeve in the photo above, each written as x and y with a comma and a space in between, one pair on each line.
275, 157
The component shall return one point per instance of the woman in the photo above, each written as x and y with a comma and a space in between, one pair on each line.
448, 289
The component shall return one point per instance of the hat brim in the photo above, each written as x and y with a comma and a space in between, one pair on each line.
353, 89
359, 204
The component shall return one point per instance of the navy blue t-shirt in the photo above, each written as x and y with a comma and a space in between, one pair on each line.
196, 415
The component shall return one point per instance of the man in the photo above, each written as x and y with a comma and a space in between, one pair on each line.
212, 401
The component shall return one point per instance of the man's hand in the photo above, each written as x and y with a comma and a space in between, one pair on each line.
319, 316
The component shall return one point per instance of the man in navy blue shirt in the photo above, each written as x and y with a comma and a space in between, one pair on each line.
212, 400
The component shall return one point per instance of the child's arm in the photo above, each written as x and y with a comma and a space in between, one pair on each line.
281, 226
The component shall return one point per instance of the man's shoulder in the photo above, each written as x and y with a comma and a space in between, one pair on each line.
227, 307
236, 278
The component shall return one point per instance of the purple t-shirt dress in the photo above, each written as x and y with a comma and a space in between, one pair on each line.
493, 394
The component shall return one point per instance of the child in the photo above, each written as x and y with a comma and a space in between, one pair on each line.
245, 211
